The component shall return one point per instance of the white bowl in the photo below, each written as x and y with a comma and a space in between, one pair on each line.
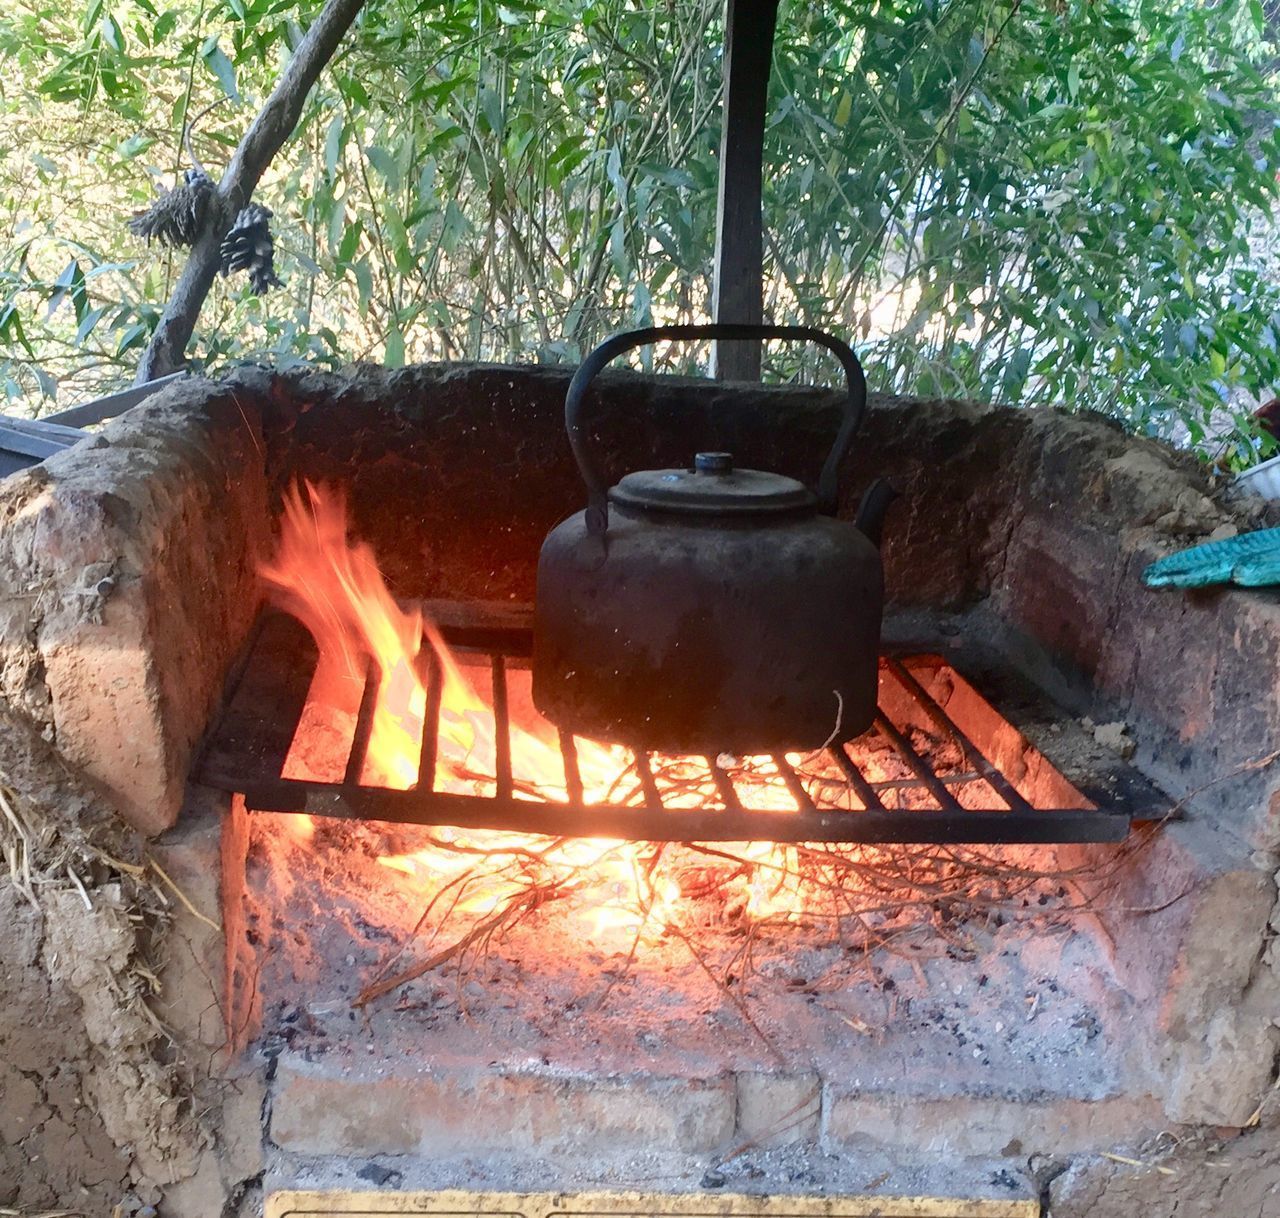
1262, 479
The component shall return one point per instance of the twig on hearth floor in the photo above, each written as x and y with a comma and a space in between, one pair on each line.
794, 1116
457, 886
8, 1213
728, 993
1128, 1162
525, 902
182, 896
18, 851
646, 913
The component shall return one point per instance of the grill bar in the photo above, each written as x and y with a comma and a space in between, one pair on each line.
364, 725
999, 783
870, 798
249, 747
659, 824
266, 700
572, 775
799, 792
434, 681
904, 748
501, 726
724, 784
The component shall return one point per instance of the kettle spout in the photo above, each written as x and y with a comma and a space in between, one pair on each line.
871, 511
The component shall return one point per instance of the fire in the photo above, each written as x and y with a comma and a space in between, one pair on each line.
337, 591
334, 586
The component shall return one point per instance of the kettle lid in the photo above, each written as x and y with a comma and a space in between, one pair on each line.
713, 486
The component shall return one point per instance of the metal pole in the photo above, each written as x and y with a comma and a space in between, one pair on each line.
738, 292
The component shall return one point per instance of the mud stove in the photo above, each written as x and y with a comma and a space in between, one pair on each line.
421, 940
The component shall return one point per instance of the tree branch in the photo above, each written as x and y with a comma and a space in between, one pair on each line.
266, 135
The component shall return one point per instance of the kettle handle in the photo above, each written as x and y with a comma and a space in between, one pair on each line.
597, 489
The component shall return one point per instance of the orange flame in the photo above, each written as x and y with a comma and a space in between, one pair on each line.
335, 588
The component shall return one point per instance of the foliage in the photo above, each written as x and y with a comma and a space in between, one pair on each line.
1029, 202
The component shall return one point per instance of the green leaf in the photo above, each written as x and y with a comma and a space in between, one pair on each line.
394, 356
364, 284
386, 166
350, 242
88, 324
134, 145
491, 108
401, 254
69, 283
218, 63
844, 109
93, 14
133, 336
333, 142
112, 35
11, 328
48, 385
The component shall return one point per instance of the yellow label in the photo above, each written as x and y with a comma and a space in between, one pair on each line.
342, 1204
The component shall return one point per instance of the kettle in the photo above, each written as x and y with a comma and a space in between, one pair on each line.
711, 609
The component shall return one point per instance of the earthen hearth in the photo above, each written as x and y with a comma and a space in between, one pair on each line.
994, 1010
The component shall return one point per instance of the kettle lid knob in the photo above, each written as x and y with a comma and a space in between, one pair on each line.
713, 463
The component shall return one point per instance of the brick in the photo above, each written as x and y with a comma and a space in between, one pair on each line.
194, 987
474, 1109
778, 1109
142, 547
986, 1126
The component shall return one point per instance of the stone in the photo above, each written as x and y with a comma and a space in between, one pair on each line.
1115, 736
240, 1127
1197, 1176
201, 1194
1220, 1049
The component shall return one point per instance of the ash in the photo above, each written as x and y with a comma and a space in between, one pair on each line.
958, 984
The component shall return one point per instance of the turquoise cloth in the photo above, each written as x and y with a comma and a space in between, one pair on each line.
1251, 560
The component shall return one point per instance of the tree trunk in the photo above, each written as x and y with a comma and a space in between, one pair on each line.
267, 133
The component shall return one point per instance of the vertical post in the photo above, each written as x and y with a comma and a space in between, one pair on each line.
738, 292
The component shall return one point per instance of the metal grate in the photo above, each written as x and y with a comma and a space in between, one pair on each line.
838, 796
